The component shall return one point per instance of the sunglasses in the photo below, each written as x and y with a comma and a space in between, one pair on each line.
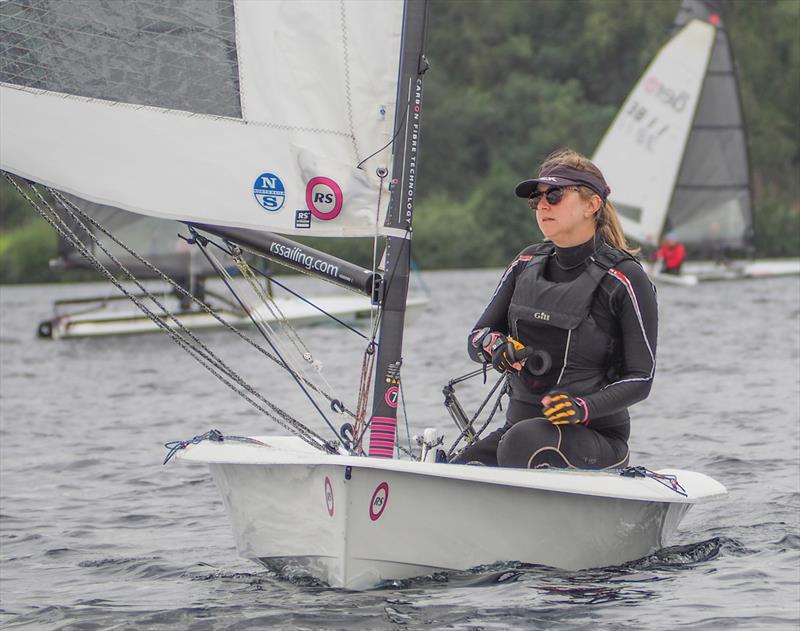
553, 195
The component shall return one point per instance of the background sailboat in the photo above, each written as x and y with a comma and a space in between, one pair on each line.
676, 155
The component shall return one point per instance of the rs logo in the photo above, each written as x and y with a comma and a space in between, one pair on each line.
323, 198
378, 502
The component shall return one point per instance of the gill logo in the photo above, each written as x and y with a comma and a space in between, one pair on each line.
541, 315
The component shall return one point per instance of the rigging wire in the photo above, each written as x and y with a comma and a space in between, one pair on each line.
400, 127
225, 278
360, 430
336, 404
272, 279
368, 359
203, 354
73, 208
405, 417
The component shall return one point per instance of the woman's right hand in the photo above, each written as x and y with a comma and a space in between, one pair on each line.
508, 355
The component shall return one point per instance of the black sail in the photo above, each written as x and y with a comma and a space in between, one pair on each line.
711, 208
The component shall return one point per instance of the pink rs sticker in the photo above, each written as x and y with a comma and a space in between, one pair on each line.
324, 198
379, 500
329, 496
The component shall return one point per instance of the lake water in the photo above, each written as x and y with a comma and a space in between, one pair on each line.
96, 534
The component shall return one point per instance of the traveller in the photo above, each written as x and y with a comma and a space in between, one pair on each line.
672, 252
584, 307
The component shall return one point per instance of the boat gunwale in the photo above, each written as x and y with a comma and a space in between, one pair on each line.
554, 480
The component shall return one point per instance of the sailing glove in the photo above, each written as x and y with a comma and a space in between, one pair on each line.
562, 409
508, 355
505, 353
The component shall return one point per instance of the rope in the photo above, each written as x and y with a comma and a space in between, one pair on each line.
226, 279
214, 434
202, 355
360, 425
367, 370
72, 209
274, 309
272, 279
405, 418
201, 241
668, 480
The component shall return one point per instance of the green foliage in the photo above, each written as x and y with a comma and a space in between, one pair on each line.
25, 253
512, 80
778, 228
14, 210
766, 40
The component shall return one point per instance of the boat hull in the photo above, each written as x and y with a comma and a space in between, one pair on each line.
357, 526
280, 514
694, 272
106, 321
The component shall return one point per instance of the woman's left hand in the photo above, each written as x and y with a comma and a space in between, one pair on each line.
562, 409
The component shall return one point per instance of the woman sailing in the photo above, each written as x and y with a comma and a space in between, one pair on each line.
585, 306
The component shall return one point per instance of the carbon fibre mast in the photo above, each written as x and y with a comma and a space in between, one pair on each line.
386, 392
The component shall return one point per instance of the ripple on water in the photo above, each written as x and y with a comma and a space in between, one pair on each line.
142, 573
134, 567
788, 541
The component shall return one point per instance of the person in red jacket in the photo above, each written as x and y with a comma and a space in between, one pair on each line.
672, 253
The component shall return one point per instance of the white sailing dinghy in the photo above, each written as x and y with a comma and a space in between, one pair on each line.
676, 155
319, 134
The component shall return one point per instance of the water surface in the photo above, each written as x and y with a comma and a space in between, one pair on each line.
96, 534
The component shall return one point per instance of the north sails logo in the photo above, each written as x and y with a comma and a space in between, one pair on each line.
549, 179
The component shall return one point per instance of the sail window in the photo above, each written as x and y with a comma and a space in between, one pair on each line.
176, 54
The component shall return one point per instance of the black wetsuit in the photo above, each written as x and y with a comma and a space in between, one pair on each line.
610, 361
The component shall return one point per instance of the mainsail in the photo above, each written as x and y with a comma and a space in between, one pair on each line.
206, 111
291, 117
676, 154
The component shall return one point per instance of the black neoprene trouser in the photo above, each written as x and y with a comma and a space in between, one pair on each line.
557, 445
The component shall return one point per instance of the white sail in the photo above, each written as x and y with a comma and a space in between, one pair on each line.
291, 154
642, 151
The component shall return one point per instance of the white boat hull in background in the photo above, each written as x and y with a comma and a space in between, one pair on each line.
734, 270
694, 272
110, 321
356, 522
683, 279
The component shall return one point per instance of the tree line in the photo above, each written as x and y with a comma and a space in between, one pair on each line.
512, 80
